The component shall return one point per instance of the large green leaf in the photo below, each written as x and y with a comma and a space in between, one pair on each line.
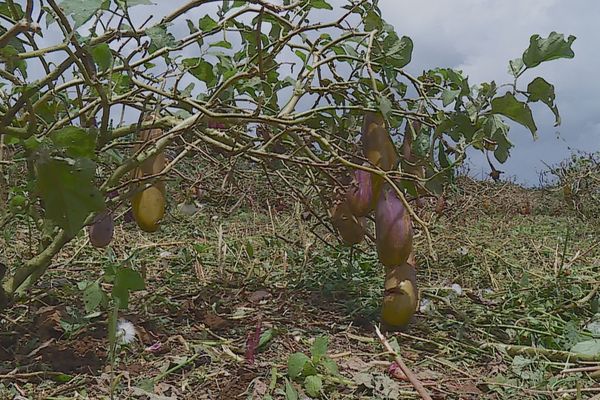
540, 90
320, 4
80, 10
295, 364
68, 192
132, 3
206, 23
551, 48
126, 280
397, 52
75, 141
496, 130
93, 296
160, 38
319, 348
514, 109
102, 56
313, 385
201, 69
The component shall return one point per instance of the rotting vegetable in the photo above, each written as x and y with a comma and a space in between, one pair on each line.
102, 230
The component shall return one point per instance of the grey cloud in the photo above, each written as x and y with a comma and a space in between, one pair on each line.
480, 37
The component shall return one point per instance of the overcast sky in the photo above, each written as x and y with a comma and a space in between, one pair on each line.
480, 36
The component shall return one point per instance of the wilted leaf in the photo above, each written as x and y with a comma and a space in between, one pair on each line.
515, 66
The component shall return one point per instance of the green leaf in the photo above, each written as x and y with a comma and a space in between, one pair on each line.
320, 4
397, 51
160, 38
76, 141
385, 106
295, 364
7, 11
265, 338
449, 95
516, 110
330, 366
201, 69
80, 10
126, 280
206, 23
93, 296
421, 144
301, 55
290, 392
372, 21
540, 90
132, 3
222, 43
442, 156
313, 385
122, 83
515, 66
551, 48
68, 192
319, 348
62, 378
102, 56
496, 130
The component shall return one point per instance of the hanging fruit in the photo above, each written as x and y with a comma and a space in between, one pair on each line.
377, 144
350, 228
393, 229
148, 206
362, 193
101, 231
400, 297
